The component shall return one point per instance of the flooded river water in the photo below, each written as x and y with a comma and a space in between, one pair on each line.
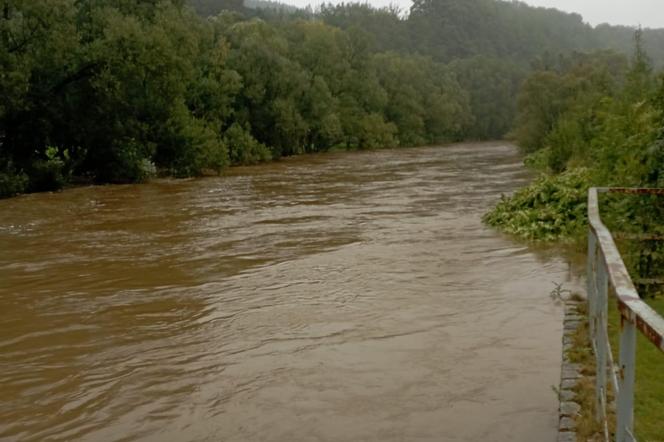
338, 297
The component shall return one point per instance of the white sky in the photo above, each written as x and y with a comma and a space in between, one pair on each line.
647, 13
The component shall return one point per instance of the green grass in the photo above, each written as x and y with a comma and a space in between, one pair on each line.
649, 400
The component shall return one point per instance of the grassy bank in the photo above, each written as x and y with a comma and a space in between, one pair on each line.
649, 398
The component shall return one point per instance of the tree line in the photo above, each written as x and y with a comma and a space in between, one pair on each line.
116, 91
122, 90
588, 120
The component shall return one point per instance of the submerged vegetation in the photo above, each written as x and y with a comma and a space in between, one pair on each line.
552, 208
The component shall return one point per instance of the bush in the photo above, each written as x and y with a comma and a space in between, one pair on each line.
552, 208
51, 173
376, 133
12, 183
243, 149
538, 160
201, 150
130, 163
46, 175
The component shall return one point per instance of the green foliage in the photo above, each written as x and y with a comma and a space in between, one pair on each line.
374, 132
590, 119
194, 147
538, 160
552, 208
130, 89
49, 173
499, 29
243, 148
128, 162
213, 7
493, 85
425, 102
12, 182
541, 100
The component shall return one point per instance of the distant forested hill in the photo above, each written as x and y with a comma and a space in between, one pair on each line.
208, 8
621, 39
490, 45
213, 7
451, 29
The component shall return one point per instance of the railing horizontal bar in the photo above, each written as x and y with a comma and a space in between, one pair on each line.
647, 320
649, 281
637, 236
631, 307
633, 190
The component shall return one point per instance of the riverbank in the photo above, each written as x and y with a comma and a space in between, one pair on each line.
151, 174
577, 387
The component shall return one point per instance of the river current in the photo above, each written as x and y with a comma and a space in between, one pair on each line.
336, 297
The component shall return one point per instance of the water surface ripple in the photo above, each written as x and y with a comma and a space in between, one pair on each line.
340, 297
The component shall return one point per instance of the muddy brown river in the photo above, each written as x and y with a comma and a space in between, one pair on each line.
337, 297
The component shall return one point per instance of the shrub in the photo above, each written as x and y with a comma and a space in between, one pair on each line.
130, 163
552, 208
243, 149
376, 133
12, 183
50, 173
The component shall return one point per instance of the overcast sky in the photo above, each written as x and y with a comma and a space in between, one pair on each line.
647, 13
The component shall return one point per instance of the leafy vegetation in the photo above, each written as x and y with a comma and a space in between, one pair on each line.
590, 119
552, 208
118, 91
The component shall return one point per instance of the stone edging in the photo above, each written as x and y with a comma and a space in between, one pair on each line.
569, 376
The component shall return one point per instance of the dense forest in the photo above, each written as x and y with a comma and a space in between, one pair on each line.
122, 90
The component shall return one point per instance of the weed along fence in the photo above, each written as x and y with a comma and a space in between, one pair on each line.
608, 275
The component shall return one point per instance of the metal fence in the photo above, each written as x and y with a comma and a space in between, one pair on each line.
607, 275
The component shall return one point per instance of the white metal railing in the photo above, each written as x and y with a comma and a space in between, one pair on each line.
607, 274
